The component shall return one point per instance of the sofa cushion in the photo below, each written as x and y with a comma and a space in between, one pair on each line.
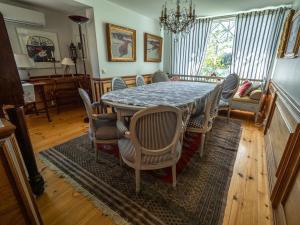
244, 87
256, 94
244, 99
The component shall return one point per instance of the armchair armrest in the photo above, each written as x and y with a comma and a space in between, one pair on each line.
96, 104
123, 129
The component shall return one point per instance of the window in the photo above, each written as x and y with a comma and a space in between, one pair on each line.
218, 56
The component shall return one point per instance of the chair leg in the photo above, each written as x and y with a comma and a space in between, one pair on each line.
137, 180
174, 175
256, 117
202, 144
97, 151
228, 113
121, 161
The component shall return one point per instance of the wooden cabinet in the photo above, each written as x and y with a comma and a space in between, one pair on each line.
17, 204
282, 139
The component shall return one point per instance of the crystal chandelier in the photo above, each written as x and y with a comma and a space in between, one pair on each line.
180, 19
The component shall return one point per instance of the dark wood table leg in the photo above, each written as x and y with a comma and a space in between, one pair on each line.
42, 93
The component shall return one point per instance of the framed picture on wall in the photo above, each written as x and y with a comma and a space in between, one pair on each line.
152, 48
293, 44
285, 34
121, 43
41, 46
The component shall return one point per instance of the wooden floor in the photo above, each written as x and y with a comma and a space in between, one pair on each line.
247, 202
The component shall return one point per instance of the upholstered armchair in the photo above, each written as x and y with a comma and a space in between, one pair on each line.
159, 76
139, 80
103, 129
153, 140
202, 123
118, 83
231, 85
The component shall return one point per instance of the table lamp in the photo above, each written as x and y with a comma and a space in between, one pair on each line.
24, 63
67, 62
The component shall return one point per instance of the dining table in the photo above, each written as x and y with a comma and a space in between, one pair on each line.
182, 94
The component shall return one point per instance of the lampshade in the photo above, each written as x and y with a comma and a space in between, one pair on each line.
23, 61
67, 61
79, 19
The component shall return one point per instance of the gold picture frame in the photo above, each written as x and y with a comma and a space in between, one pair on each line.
121, 43
152, 48
285, 34
293, 44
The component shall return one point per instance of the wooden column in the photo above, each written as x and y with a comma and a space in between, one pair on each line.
17, 205
11, 93
16, 116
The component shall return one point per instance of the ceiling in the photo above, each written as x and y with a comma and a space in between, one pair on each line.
151, 8
59, 5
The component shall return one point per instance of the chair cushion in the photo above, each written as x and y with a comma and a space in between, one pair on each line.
127, 151
196, 122
106, 130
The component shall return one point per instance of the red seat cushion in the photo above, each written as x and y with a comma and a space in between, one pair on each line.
245, 86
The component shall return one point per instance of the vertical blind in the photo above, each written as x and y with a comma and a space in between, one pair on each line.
188, 50
255, 42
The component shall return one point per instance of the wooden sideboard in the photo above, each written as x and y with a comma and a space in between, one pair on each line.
282, 141
60, 88
17, 204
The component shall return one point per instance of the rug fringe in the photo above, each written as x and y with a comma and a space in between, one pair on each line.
106, 210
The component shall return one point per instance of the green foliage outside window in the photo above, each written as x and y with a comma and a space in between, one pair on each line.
218, 56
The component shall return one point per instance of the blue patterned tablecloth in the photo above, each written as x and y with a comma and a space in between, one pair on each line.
174, 93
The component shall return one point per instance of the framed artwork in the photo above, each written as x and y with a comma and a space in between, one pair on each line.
285, 34
40, 46
152, 48
293, 44
121, 43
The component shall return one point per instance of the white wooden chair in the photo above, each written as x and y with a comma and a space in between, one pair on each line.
202, 123
103, 129
139, 80
153, 140
231, 85
118, 83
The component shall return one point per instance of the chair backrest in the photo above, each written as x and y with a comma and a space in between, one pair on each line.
86, 101
159, 76
231, 85
209, 104
216, 100
118, 83
139, 80
156, 130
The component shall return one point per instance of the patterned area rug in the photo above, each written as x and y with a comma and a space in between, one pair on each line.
200, 195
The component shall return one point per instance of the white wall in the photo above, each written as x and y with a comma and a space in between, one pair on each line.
57, 22
286, 72
107, 12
